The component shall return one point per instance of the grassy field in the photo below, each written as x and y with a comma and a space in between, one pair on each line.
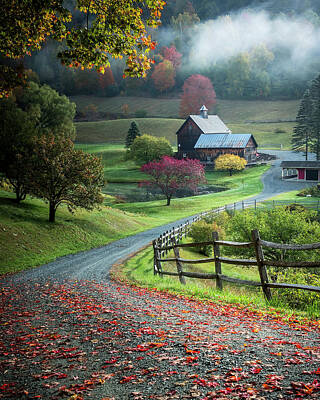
243, 185
115, 131
229, 110
122, 177
268, 135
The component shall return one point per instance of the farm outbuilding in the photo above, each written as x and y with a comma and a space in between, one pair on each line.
301, 170
205, 137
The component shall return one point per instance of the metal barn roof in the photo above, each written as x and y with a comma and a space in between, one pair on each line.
300, 164
230, 141
212, 124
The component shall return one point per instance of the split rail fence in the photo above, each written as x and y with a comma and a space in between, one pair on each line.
170, 241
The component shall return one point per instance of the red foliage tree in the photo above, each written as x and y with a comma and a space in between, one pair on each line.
197, 91
163, 76
170, 174
171, 54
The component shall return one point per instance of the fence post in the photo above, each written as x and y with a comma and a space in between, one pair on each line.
179, 265
262, 268
242, 205
155, 269
255, 205
217, 263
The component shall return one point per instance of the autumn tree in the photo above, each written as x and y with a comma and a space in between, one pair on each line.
163, 76
62, 175
148, 148
171, 54
197, 91
111, 29
230, 162
170, 174
133, 132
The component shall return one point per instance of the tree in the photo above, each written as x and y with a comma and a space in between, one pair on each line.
110, 29
197, 91
170, 174
171, 54
133, 132
163, 76
49, 111
60, 174
230, 162
16, 132
148, 148
302, 132
315, 116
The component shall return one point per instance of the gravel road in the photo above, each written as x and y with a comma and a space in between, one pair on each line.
68, 332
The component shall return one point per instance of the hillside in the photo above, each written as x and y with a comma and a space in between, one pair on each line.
229, 110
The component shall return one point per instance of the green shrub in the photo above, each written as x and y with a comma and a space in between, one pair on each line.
278, 225
314, 191
141, 113
220, 219
297, 298
279, 130
201, 231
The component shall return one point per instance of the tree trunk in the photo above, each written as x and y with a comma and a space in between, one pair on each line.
168, 200
52, 212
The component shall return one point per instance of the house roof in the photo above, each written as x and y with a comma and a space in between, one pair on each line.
212, 124
300, 164
228, 141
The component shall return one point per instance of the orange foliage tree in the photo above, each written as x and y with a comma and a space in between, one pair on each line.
163, 76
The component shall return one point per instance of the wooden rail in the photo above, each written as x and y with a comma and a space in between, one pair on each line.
257, 244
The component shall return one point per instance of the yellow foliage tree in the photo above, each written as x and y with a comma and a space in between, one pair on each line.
230, 162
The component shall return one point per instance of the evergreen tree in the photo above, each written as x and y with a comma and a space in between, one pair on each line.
302, 132
315, 99
133, 132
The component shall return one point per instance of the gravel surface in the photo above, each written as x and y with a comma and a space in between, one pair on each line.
67, 331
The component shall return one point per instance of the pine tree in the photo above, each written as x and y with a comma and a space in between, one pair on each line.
133, 132
315, 99
302, 132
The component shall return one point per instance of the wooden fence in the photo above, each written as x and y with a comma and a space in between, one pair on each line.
174, 235
171, 240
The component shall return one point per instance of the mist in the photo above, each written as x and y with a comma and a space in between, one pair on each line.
218, 40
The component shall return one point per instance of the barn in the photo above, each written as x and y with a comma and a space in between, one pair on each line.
205, 137
301, 170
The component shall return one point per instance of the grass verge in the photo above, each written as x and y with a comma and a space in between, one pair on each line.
138, 271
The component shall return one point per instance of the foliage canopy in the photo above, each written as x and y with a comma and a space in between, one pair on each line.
230, 162
111, 29
148, 148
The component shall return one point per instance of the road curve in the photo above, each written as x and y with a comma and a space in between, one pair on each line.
96, 263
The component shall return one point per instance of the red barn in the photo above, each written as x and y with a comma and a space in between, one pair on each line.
205, 137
